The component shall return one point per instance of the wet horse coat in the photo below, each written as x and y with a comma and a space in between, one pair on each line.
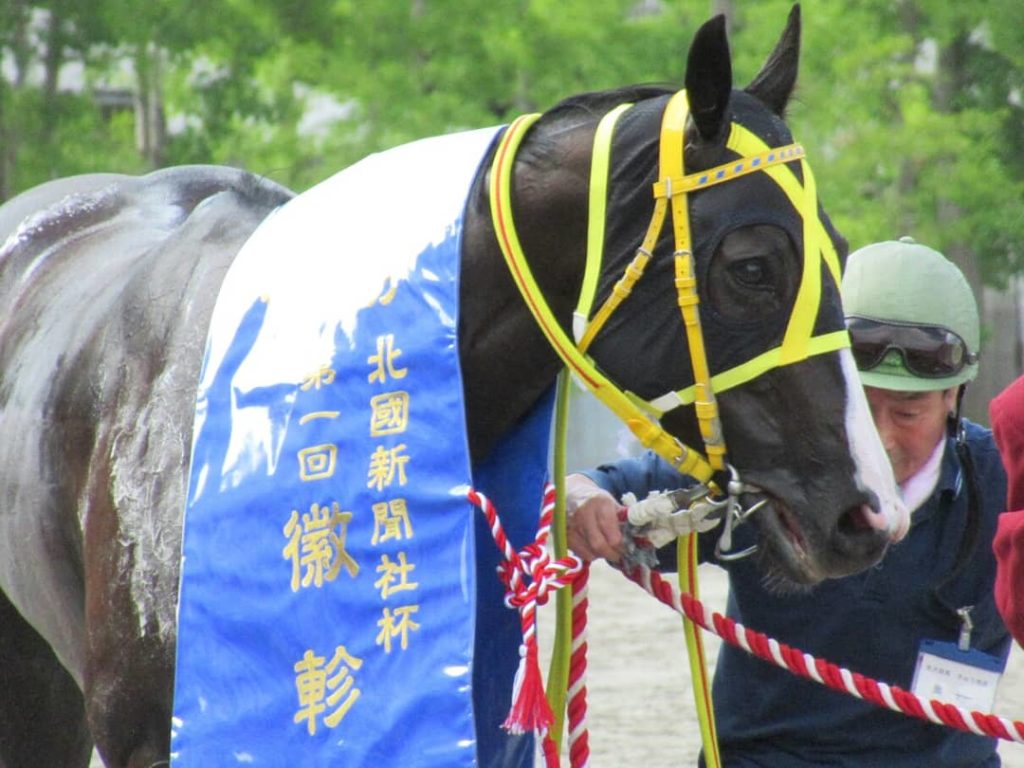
107, 295
115, 342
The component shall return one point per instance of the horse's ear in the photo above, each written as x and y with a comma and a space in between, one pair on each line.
709, 78
774, 83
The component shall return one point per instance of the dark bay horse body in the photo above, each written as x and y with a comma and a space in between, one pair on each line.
107, 285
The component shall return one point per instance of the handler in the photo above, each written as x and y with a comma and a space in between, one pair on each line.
914, 330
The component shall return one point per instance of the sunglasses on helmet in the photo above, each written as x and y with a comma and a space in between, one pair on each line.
928, 351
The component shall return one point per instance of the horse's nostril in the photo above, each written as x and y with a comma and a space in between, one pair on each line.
854, 520
851, 521
862, 518
858, 541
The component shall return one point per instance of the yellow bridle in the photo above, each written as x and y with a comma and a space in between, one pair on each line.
670, 192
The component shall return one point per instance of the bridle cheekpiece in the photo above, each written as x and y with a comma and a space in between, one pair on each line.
670, 193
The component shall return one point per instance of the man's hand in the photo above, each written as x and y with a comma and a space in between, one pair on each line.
594, 523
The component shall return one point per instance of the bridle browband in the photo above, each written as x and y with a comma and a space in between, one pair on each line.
670, 193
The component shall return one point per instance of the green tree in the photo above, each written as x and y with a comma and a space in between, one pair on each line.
920, 134
45, 130
911, 110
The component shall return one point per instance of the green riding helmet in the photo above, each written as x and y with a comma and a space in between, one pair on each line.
902, 283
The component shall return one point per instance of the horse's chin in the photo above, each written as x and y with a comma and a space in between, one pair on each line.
785, 558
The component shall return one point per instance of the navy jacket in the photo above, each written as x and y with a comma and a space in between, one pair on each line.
872, 623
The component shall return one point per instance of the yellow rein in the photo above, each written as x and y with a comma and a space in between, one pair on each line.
670, 193
647, 430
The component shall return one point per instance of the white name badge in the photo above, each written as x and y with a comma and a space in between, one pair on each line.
966, 679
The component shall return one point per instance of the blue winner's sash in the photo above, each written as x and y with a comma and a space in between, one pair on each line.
338, 603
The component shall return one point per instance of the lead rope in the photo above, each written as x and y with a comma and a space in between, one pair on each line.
695, 655
825, 672
567, 677
529, 576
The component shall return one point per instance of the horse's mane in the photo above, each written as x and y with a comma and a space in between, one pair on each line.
598, 102
580, 109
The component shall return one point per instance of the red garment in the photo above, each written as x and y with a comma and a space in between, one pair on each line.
1007, 414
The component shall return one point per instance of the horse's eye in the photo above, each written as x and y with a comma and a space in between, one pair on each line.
753, 273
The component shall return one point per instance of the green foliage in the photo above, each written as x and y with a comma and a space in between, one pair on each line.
906, 141
84, 142
910, 111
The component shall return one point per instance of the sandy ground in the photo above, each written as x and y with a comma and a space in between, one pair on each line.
637, 655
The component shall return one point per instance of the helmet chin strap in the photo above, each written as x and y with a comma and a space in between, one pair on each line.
954, 422
969, 542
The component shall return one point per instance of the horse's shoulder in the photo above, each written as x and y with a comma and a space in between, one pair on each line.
68, 205
122, 272
187, 186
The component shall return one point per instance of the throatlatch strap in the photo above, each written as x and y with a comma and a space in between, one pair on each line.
648, 432
597, 205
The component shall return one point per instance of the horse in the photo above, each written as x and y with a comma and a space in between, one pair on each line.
108, 283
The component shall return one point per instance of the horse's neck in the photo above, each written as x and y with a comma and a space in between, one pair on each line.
507, 362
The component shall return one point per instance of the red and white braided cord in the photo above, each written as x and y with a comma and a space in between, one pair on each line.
530, 576
579, 739
824, 672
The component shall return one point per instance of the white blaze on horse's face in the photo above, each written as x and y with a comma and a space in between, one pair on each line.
874, 472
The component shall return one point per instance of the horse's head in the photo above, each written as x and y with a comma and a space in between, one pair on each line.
766, 263
726, 322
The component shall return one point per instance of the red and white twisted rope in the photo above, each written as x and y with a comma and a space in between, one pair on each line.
530, 576
824, 672
579, 739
